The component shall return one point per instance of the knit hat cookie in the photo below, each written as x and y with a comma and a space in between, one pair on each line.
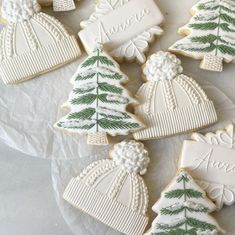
59, 5
33, 42
171, 102
112, 190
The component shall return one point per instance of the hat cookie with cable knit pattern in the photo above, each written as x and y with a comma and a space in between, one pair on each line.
113, 191
171, 102
33, 42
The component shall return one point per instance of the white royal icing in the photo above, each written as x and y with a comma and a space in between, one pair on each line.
207, 232
20, 10
208, 34
132, 156
176, 208
162, 66
126, 37
211, 160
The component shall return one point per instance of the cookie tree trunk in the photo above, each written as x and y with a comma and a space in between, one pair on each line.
99, 138
63, 5
212, 63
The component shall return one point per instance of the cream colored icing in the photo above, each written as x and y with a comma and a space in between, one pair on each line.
20, 10
162, 66
127, 36
211, 160
132, 156
171, 208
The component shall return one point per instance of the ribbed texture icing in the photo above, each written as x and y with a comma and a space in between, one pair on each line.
35, 44
112, 190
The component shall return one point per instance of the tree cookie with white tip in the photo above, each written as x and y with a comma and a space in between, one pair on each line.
113, 191
210, 34
125, 27
210, 158
59, 5
170, 102
98, 101
184, 209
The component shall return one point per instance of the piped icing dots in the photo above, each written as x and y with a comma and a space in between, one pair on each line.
19, 10
162, 66
132, 156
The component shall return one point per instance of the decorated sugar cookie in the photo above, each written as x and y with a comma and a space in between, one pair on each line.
60, 5
113, 191
184, 209
33, 42
210, 159
171, 102
210, 34
125, 28
98, 101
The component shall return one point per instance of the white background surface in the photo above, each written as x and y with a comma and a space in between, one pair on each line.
27, 204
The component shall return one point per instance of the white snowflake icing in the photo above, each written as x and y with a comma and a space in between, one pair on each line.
88, 86
111, 112
162, 66
206, 232
175, 222
76, 123
207, 16
194, 45
132, 156
99, 69
117, 98
15, 11
188, 204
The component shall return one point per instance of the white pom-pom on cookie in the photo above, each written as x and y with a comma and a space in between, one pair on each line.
19, 10
132, 156
162, 66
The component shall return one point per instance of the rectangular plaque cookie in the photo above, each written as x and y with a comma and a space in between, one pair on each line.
210, 159
122, 27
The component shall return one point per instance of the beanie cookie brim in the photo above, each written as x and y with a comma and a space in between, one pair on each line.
104, 209
39, 61
176, 121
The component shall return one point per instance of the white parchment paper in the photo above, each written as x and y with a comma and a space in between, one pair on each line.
29, 110
164, 156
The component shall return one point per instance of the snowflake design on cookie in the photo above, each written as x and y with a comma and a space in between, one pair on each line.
129, 36
210, 158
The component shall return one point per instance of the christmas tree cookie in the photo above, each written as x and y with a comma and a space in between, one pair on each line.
59, 5
98, 101
171, 102
210, 159
210, 34
125, 27
184, 209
